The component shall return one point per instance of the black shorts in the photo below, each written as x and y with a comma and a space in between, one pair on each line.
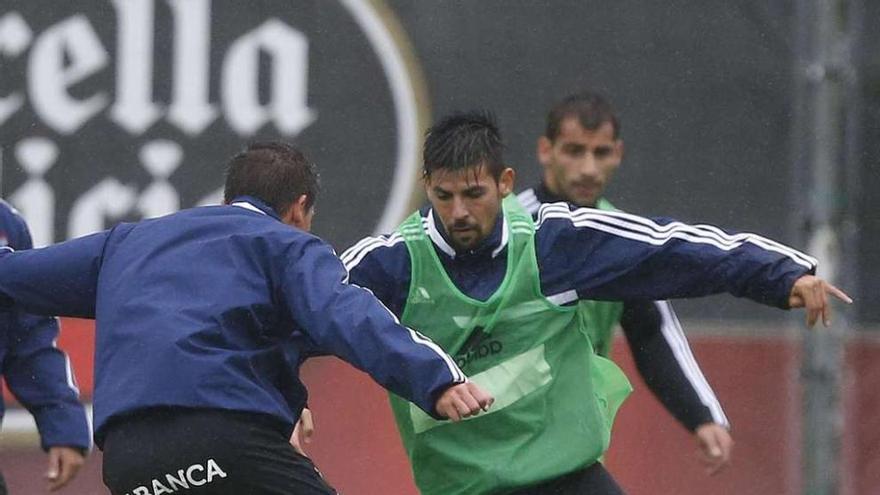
2, 485
592, 480
203, 452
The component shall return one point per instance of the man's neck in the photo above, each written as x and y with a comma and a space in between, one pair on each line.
492, 245
546, 195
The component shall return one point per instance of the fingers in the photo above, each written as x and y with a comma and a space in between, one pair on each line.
463, 401
834, 291
825, 305
308, 426
715, 446
811, 293
64, 463
302, 431
814, 307
483, 398
54, 468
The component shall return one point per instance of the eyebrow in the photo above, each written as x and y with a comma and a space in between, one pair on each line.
473, 188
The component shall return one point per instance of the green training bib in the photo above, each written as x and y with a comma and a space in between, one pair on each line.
555, 399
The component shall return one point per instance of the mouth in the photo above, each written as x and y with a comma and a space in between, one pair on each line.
462, 228
588, 189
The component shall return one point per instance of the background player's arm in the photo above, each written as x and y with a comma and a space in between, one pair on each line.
349, 322
664, 359
40, 376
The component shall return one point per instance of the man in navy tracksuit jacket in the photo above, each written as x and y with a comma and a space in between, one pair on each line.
579, 152
202, 318
39, 374
582, 253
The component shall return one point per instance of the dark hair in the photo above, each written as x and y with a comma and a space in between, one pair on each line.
591, 109
461, 141
274, 172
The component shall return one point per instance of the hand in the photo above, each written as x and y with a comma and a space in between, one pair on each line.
303, 431
715, 445
462, 401
64, 463
811, 293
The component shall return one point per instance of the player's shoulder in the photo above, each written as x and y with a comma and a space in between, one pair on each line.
8, 214
529, 200
375, 248
13, 228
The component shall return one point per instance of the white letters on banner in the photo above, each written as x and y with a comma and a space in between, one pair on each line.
70, 51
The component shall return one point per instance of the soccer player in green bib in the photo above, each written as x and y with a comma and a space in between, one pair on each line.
579, 153
499, 292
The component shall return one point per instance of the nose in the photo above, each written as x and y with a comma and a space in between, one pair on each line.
459, 210
587, 166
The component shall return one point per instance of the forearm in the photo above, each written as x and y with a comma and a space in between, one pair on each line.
40, 376
349, 322
664, 360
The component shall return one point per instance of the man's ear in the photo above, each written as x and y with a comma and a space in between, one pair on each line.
506, 181
543, 150
297, 214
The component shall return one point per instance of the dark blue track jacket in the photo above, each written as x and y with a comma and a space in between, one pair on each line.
584, 253
36, 371
215, 307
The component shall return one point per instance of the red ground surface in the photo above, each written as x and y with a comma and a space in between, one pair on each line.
756, 379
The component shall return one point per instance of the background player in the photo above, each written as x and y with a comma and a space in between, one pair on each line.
580, 150
40, 376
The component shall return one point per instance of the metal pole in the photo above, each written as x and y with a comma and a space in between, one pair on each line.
826, 73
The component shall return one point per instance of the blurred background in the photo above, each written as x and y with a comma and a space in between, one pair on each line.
752, 115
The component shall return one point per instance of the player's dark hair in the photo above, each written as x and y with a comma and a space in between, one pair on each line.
591, 109
461, 141
274, 172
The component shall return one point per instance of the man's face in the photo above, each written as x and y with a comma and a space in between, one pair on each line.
579, 163
468, 203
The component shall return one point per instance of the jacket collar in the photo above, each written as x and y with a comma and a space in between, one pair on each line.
256, 205
492, 246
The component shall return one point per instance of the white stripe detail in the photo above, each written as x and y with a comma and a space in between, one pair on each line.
7, 248
709, 231
504, 236
68, 369
529, 200
248, 206
436, 237
563, 297
71, 381
677, 341
355, 254
649, 232
457, 375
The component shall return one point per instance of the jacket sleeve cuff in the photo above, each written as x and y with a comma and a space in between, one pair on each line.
63, 426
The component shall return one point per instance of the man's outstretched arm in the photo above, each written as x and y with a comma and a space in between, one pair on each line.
59, 280
617, 256
349, 322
